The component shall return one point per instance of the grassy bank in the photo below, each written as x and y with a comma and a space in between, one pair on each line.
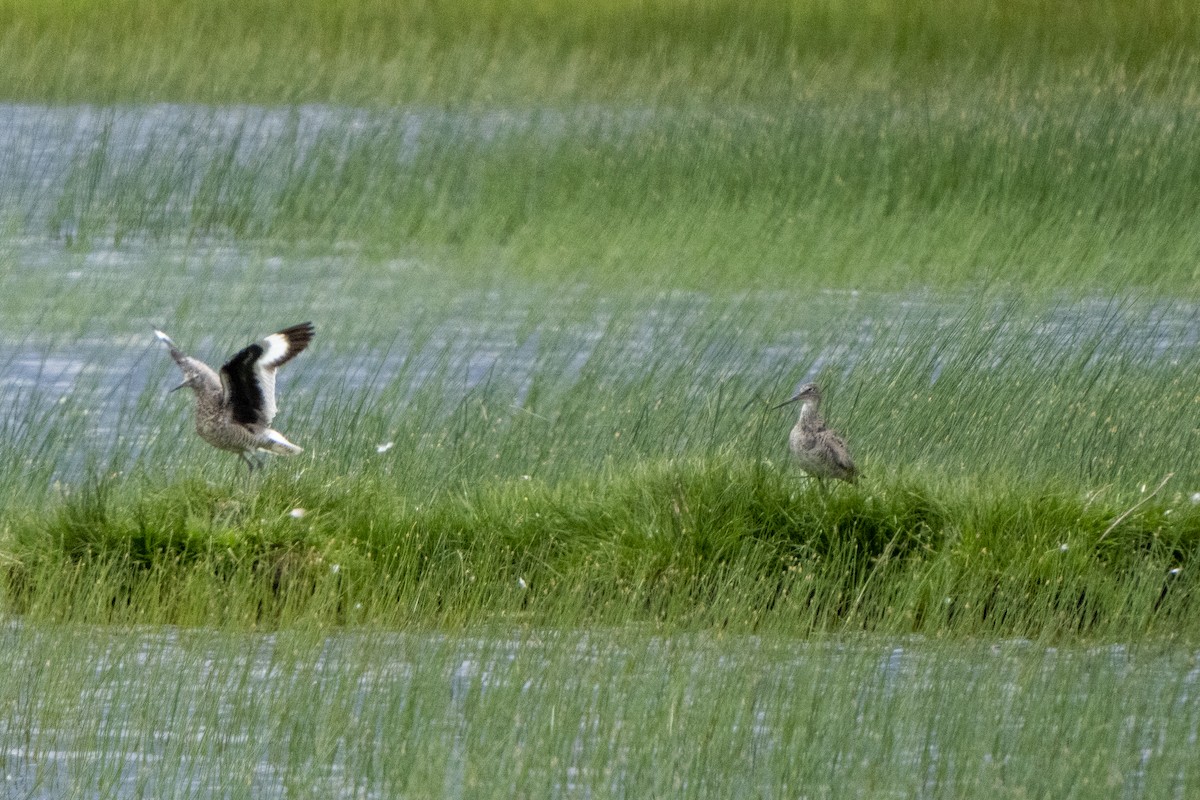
740, 547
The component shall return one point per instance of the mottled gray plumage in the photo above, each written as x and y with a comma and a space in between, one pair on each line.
819, 451
234, 408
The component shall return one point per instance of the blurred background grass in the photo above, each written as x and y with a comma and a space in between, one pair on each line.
501, 51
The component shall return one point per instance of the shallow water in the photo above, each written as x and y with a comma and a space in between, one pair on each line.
77, 354
497, 332
57, 160
193, 713
105, 359
104, 363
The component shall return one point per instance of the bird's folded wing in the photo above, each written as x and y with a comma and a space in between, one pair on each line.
837, 451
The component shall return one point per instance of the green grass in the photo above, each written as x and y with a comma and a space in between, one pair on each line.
703, 143
544, 539
684, 547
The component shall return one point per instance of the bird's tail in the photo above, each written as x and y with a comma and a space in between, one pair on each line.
274, 442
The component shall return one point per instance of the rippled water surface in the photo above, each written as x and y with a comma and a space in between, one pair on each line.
397, 325
76, 319
188, 713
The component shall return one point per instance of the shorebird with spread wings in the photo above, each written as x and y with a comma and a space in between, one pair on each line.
234, 408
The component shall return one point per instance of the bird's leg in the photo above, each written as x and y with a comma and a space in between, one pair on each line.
250, 465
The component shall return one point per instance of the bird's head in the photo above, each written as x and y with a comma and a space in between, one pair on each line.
189, 380
197, 376
808, 393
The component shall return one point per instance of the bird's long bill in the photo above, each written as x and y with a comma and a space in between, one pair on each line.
787, 402
177, 388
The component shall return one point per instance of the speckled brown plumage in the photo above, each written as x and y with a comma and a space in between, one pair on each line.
818, 450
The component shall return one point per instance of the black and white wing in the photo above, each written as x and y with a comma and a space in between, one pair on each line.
249, 377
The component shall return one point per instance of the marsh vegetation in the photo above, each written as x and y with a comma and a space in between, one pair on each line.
561, 262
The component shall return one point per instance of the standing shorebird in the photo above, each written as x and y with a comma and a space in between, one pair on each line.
234, 409
819, 451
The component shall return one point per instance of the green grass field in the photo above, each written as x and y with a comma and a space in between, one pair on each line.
545, 538
370, 52
976, 184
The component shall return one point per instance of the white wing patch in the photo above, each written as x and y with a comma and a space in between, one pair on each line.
275, 350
